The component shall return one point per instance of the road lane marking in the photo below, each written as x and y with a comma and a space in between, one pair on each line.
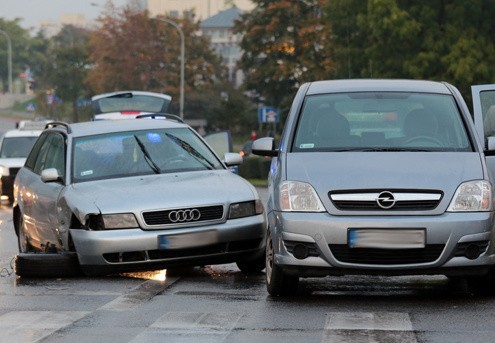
33, 326
368, 327
139, 295
191, 327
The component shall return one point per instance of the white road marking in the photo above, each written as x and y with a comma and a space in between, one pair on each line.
368, 327
191, 327
140, 294
33, 326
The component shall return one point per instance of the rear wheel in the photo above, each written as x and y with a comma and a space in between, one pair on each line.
277, 282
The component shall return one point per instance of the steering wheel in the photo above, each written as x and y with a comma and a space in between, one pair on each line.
423, 139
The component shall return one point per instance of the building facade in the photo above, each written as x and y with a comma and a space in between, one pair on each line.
202, 8
219, 28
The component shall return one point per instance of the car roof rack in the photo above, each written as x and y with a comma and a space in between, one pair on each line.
161, 115
58, 123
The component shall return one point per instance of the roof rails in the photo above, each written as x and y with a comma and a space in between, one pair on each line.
58, 123
161, 115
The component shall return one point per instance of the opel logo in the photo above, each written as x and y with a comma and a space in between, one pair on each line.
385, 200
180, 216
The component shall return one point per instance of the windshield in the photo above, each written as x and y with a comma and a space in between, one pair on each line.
143, 152
13, 147
378, 121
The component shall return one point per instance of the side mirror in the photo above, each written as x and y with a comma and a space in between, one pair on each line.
264, 147
50, 175
232, 159
490, 143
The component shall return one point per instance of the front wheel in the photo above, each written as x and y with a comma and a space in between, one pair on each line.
483, 285
254, 266
277, 282
46, 265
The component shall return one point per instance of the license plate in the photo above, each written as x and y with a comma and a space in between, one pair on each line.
387, 239
187, 240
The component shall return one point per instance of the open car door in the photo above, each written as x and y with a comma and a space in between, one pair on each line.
484, 120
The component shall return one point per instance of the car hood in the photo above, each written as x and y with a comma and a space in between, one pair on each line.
17, 162
154, 192
329, 171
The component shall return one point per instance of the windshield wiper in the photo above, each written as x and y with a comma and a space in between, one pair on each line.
147, 156
193, 152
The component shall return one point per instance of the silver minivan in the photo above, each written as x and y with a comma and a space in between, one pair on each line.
389, 177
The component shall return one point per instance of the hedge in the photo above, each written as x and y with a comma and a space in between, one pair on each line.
255, 167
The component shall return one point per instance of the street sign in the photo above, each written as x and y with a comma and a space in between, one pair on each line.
267, 115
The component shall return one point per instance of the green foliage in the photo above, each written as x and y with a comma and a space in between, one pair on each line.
22, 49
70, 63
255, 167
130, 50
285, 44
451, 41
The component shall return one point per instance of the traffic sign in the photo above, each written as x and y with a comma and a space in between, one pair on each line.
267, 115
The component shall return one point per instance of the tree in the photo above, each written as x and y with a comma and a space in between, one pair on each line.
437, 40
21, 56
66, 66
285, 43
130, 50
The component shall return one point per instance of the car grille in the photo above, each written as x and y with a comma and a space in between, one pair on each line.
156, 255
343, 253
162, 217
402, 200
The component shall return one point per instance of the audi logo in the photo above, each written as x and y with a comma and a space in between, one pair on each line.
385, 200
181, 216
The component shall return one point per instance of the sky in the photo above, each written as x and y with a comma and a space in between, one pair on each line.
34, 11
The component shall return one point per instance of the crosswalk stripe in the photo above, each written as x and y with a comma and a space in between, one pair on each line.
33, 326
139, 295
368, 327
191, 327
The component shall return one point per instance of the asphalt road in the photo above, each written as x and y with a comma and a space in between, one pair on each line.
220, 304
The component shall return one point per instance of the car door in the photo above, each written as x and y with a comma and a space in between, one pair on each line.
484, 120
40, 215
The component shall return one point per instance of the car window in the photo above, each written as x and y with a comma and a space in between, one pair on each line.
13, 147
131, 102
140, 152
32, 157
380, 121
51, 154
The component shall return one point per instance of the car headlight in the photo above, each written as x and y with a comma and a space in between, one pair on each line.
119, 221
472, 196
245, 209
4, 171
299, 197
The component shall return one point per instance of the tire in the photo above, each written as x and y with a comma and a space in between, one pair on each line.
254, 266
482, 285
277, 282
45, 265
